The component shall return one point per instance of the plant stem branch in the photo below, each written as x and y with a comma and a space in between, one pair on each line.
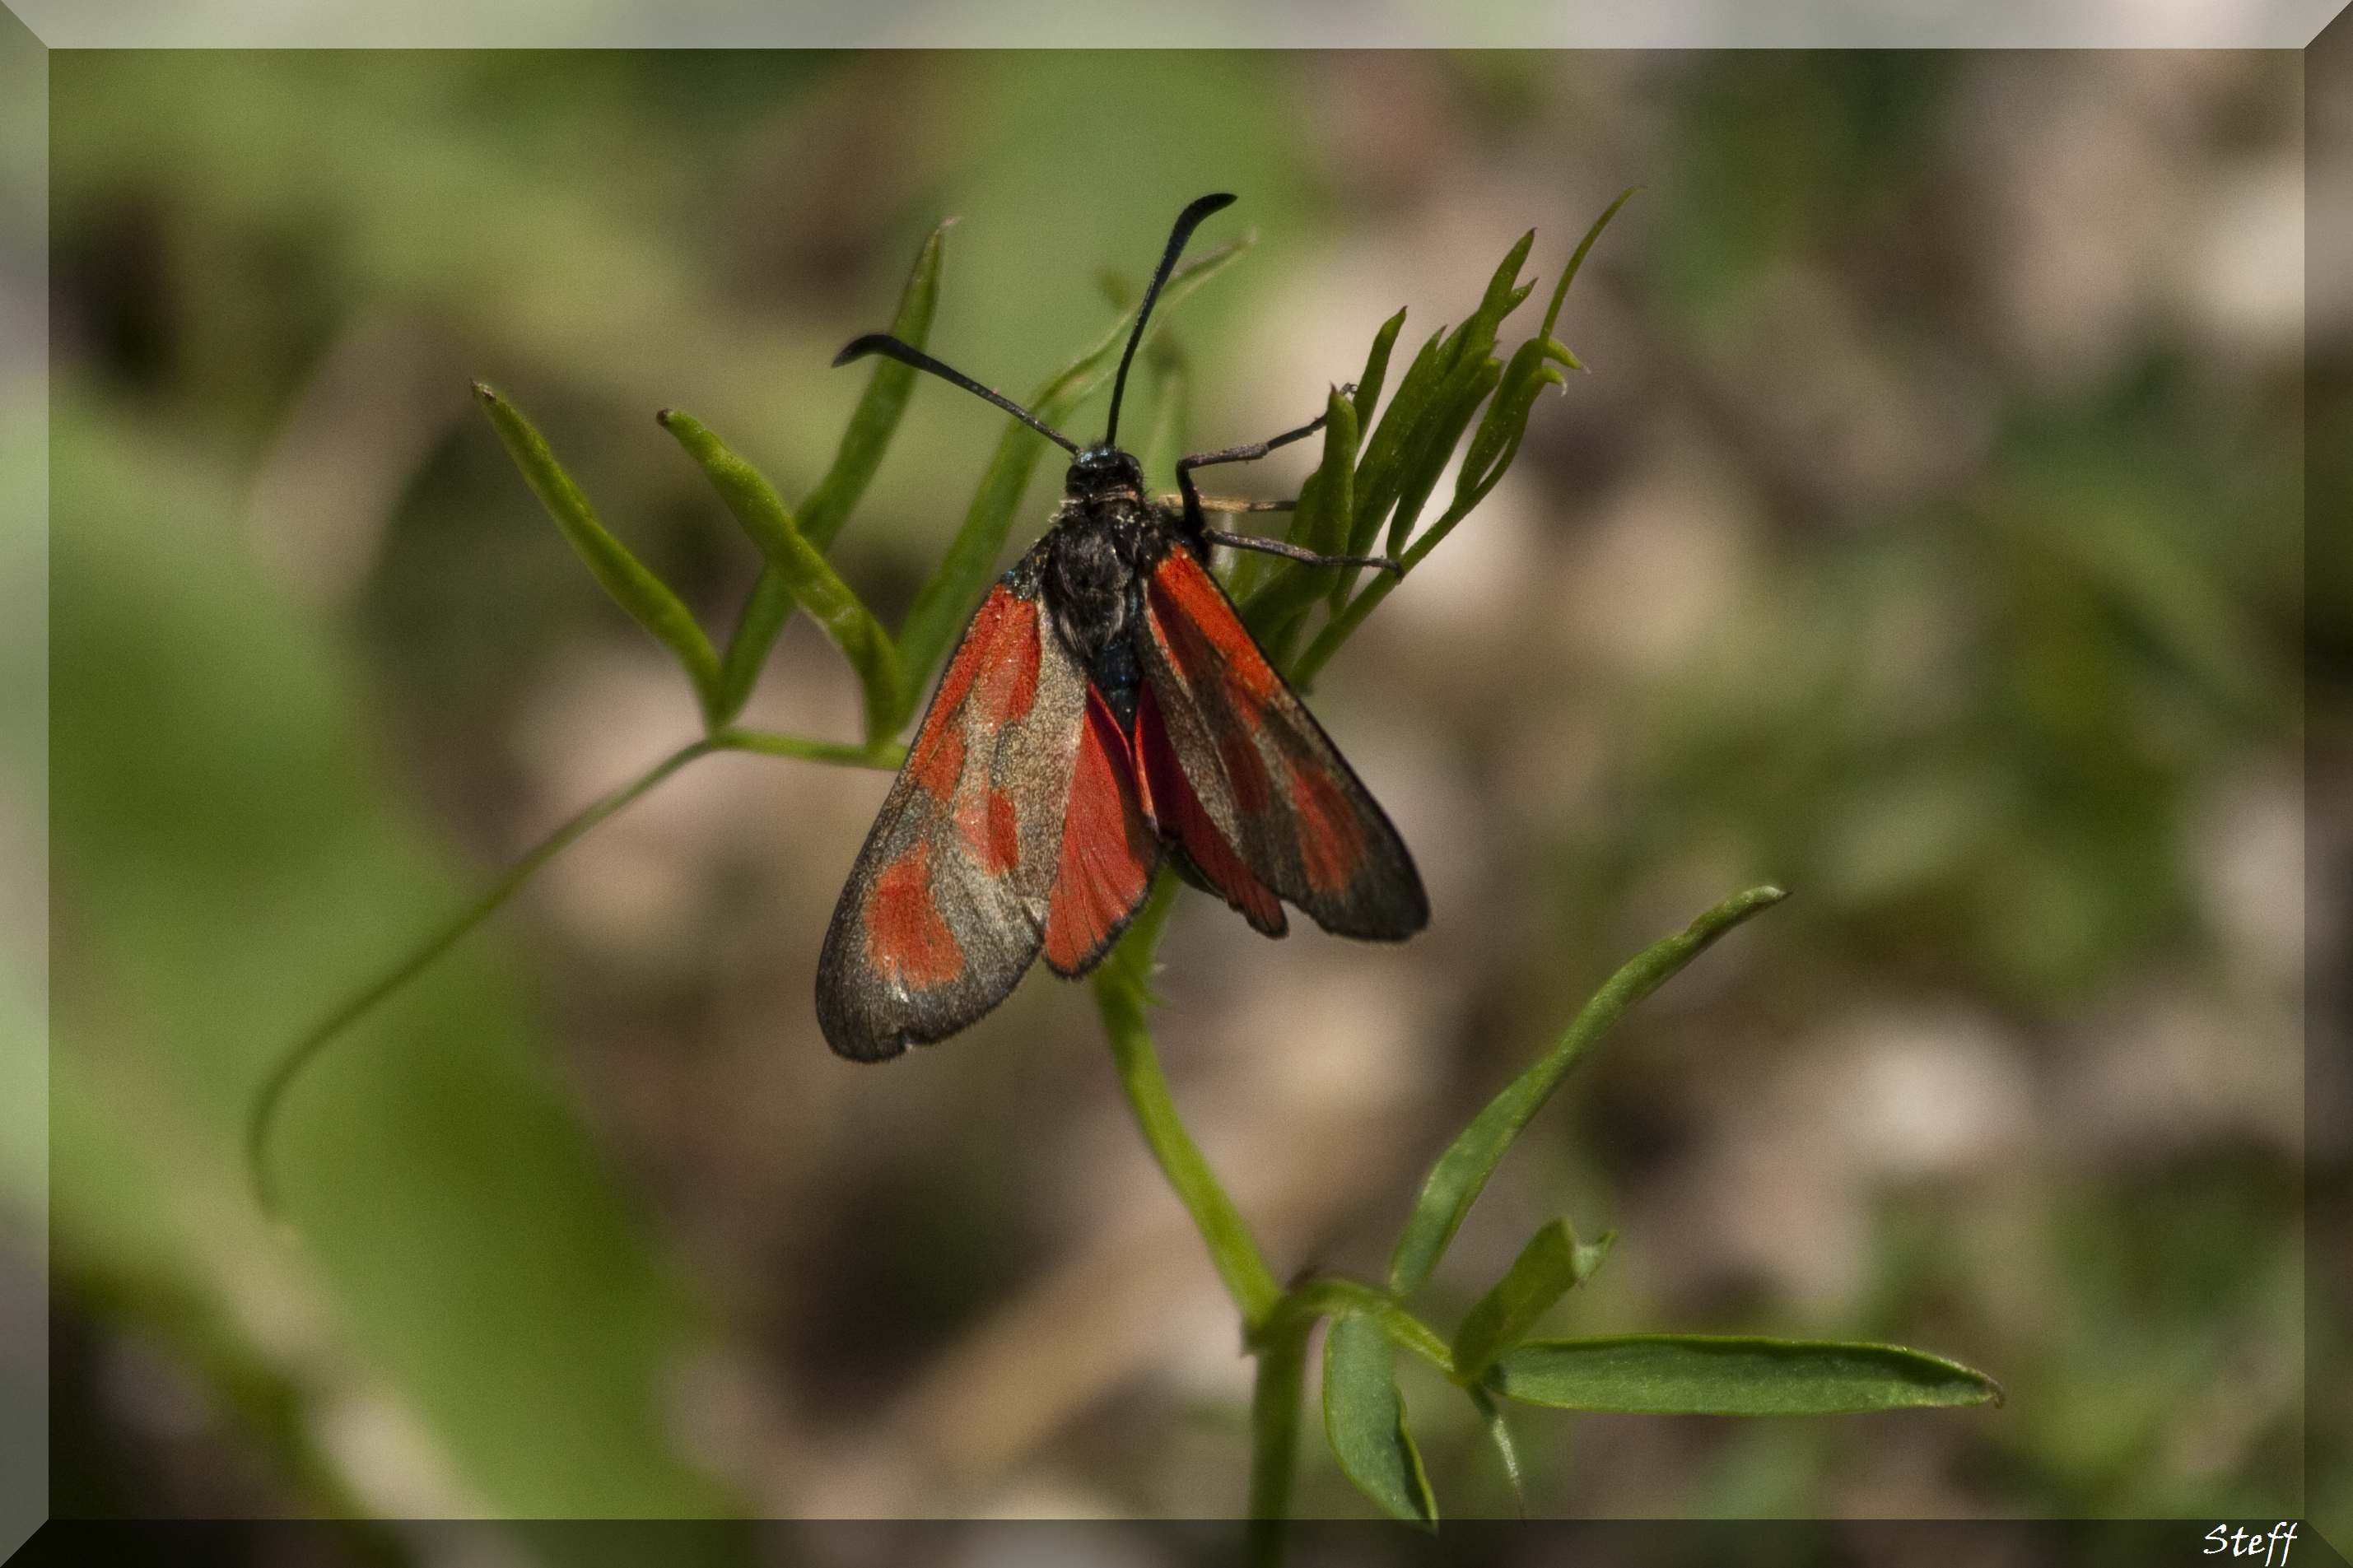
267, 1103
885, 755
1327, 1295
305, 1050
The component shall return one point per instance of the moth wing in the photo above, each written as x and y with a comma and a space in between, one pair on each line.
947, 903
1269, 797
1204, 850
1109, 848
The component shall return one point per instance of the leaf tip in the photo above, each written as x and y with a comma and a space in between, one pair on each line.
662, 416
483, 391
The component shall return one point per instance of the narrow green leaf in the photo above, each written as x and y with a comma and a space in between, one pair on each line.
1577, 260
1377, 369
1547, 1267
1455, 1182
805, 570
1504, 292
1364, 1420
1528, 373
947, 597
1452, 412
1169, 386
1707, 1375
635, 589
1326, 504
1431, 413
1498, 1433
1376, 474
872, 424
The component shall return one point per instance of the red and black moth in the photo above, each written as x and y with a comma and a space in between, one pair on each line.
1105, 709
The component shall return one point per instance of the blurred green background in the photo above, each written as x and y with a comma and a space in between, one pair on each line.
1927, 539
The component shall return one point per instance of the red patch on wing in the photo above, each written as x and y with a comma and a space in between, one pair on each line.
1010, 686
1246, 772
906, 940
991, 830
973, 652
1187, 601
938, 760
1108, 847
1330, 843
1179, 812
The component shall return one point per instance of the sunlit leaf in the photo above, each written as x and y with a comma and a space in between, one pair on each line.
1377, 369
1443, 403
871, 426
1378, 475
1321, 524
1451, 413
798, 564
628, 580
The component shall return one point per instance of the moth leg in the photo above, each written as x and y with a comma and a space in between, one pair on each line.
1249, 452
1230, 503
1294, 552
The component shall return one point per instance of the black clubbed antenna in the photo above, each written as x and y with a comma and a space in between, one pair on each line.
883, 343
1186, 222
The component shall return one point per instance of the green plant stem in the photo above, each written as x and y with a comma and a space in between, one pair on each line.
1121, 996
1276, 1322
262, 1117
883, 754
1274, 1437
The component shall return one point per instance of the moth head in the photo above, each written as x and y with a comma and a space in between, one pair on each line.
1103, 470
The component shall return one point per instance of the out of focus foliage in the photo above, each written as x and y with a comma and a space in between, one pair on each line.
1926, 541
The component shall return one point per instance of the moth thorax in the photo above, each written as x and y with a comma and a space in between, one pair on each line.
1086, 586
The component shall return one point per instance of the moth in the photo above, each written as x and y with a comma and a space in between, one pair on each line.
1104, 710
